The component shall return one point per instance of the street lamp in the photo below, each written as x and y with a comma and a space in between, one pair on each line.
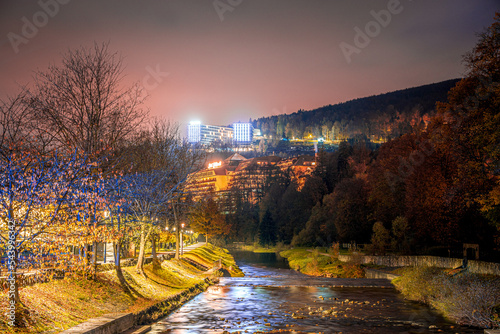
182, 242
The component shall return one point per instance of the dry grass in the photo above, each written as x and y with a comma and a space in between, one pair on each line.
60, 304
209, 254
468, 299
315, 264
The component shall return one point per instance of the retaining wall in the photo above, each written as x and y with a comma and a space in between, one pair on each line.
108, 324
373, 273
477, 267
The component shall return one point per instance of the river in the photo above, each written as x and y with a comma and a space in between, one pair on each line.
274, 299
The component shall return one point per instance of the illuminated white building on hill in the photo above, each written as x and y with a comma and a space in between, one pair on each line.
207, 134
239, 134
242, 133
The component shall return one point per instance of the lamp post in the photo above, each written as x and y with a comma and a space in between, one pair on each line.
104, 251
182, 242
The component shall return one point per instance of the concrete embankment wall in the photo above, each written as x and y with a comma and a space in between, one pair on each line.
478, 267
108, 324
377, 274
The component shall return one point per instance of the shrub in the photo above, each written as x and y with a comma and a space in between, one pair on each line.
468, 299
312, 267
380, 238
400, 230
418, 283
335, 249
280, 246
353, 271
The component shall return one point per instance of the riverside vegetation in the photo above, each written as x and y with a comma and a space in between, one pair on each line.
467, 299
316, 263
60, 304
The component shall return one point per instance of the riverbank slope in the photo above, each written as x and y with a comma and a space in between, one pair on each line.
315, 263
466, 298
60, 304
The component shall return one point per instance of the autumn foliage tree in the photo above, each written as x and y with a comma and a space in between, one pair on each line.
44, 196
468, 126
205, 218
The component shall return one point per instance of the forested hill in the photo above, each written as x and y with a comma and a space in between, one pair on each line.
376, 118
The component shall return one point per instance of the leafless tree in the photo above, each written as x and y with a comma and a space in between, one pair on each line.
83, 103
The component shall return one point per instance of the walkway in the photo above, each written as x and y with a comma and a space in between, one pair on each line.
185, 249
193, 246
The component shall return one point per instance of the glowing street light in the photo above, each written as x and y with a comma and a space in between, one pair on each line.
182, 241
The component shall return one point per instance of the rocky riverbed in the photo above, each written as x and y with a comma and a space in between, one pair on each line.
277, 300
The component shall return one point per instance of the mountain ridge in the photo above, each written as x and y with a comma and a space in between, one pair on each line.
376, 117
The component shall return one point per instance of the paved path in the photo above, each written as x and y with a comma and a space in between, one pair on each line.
185, 249
193, 246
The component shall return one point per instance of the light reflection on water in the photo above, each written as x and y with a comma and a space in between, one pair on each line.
271, 299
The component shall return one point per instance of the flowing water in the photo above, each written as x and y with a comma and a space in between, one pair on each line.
274, 299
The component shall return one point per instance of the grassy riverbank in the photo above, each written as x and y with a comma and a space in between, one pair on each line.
315, 263
207, 255
60, 304
467, 299
258, 248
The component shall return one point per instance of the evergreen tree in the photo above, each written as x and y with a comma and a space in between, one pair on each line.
267, 230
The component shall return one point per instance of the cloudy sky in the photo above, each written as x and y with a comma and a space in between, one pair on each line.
230, 60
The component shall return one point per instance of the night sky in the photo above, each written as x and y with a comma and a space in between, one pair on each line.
230, 60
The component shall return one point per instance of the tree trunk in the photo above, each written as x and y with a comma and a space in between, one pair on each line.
182, 243
142, 246
145, 233
94, 260
118, 266
153, 249
14, 308
177, 231
206, 239
116, 250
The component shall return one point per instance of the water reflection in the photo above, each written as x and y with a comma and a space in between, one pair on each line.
273, 299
